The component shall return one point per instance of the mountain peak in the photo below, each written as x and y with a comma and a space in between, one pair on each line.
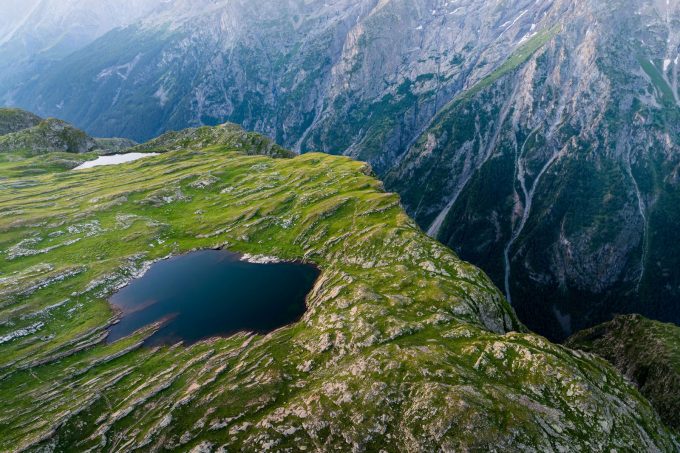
227, 135
15, 120
24, 131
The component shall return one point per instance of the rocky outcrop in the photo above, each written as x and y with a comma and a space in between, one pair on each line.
227, 136
646, 352
48, 136
15, 120
30, 134
114, 145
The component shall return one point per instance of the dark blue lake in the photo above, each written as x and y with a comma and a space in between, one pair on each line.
212, 293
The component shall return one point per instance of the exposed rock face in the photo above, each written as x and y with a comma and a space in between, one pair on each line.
538, 139
315, 75
558, 178
647, 352
404, 347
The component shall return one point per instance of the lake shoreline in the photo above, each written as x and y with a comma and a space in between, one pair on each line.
208, 293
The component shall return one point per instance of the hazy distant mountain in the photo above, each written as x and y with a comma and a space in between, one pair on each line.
34, 32
537, 138
13, 14
38, 26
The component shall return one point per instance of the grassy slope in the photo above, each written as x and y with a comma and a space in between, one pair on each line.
403, 346
515, 60
647, 352
664, 91
17, 165
519, 57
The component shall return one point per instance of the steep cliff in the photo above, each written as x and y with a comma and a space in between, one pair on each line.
558, 174
647, 352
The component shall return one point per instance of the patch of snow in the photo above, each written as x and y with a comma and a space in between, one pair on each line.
666, 64
114, 159
527, 37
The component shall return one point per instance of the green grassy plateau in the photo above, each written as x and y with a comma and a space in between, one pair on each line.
404, 347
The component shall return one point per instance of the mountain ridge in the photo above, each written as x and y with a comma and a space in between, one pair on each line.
646, 352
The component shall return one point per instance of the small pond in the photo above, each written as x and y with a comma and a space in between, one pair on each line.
212, 293
114, 159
